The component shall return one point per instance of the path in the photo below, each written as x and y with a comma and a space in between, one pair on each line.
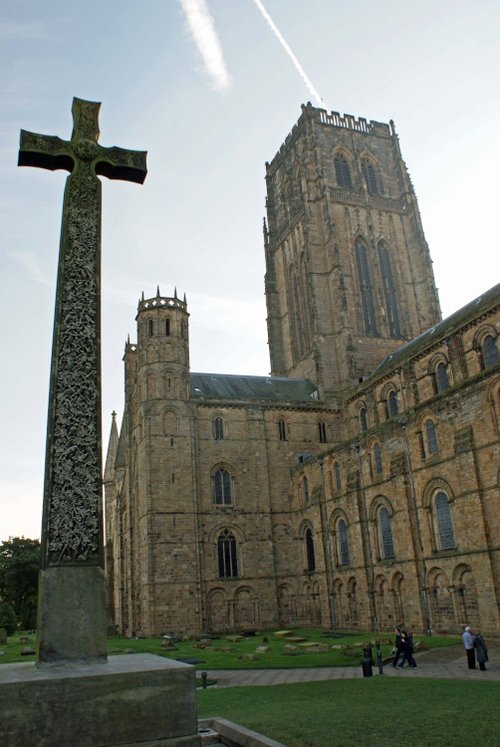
441, 663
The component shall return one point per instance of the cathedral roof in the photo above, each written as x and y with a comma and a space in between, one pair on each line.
434, 334
269, 388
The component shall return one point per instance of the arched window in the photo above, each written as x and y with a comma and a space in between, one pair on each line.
322, 431
441, 381
336, 473
343, 542
366, 287
392, 404
342, 172
227, 555
222, 488
282, 430
311, 560
431, 435
150, 328
489, 352
386, 543
218, 429
363, 420
391, 303
377, 459
443, 521
167, 327
370, 176
305, 489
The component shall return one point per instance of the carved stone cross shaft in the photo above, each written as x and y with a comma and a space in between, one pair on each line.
72, 605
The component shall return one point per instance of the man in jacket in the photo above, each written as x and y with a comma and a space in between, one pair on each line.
468, 639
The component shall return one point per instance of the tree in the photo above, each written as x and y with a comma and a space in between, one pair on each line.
19, 562
8, 618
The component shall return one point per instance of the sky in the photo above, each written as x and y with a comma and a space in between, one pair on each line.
211, 88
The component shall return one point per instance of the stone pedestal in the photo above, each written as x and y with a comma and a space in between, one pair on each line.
136, 699
72, 617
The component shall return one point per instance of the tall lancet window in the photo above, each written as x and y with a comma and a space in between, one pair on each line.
342, 172
365, 282
227, 555
370, 176
391, 303
295, 314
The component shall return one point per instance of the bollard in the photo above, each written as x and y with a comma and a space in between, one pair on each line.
366, 662
380, 663
204, 676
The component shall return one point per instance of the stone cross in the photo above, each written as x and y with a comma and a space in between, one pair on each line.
72, 601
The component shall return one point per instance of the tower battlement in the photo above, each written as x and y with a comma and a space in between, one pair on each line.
332, 119
161, 302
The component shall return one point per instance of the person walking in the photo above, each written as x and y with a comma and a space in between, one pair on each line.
481, 651
468, 639
398, 650
407, 650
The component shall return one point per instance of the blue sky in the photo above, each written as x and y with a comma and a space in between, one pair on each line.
196, 223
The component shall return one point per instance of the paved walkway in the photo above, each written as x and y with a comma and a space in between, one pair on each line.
442, 663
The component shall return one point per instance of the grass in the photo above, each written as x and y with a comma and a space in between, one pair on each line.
10, 652
381, 710
225, 653
374, 711
241, 654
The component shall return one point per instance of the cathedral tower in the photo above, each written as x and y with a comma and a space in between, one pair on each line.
159, 519
349, 277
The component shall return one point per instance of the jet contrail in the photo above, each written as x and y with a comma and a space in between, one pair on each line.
202, 27
289, 52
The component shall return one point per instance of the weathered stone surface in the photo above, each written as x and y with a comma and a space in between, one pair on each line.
131, 700
164, 523
79, 633
72, 531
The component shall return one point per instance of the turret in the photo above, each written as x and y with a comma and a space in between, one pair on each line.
163, 347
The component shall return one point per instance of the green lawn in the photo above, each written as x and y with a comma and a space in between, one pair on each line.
225, 653
282, 653
241, 654
384, 711
372, 711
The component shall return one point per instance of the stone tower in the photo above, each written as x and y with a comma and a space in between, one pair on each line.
159, 521
349, 276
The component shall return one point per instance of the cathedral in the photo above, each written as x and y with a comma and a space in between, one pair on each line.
357, 487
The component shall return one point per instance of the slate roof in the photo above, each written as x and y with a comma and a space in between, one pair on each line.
267, 388
434, 334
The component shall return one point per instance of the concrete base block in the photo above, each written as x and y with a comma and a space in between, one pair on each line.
215, 731
133, 700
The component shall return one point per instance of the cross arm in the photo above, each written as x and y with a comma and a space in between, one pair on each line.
44, 151
120, 163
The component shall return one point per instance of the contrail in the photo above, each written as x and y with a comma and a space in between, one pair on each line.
289, 52
202, 27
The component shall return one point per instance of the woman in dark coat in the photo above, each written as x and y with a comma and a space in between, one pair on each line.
407, 649
481, 651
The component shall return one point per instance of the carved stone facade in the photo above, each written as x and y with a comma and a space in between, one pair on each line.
357, 486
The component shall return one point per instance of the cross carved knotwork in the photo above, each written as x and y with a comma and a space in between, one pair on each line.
83, 150
72, 599
72, 523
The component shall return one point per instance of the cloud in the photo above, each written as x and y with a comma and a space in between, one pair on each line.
290, 53
202, 27
30, 262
